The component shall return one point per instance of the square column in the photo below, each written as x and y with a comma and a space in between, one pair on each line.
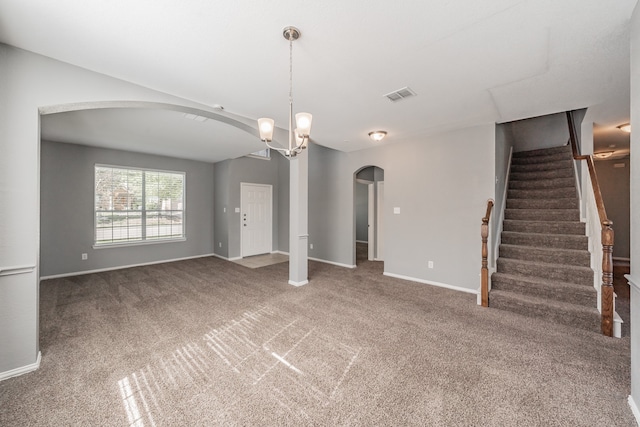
298, 219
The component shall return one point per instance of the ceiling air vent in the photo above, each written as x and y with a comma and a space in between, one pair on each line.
400, 94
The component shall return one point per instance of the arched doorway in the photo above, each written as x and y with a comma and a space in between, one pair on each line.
369, 214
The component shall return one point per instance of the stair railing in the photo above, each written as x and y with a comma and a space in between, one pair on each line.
606, 235
484, 271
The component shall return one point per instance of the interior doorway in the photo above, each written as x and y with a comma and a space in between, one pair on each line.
369, 214
256, 226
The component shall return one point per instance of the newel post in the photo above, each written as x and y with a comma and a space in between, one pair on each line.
607, 278
484, 272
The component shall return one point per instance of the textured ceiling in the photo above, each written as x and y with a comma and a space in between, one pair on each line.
469, 62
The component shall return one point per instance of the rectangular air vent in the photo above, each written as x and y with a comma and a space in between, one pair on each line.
400, 94
195, 117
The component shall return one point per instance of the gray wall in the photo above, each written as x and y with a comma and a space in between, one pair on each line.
283, 203
67, 203
615, 188
541, 132
441, 184
221, 208
328, 206
229, 175
635, 206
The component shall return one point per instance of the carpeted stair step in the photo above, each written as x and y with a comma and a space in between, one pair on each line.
542, 183
569, 203
545, 193
544, 227
557, 291
543, 270
543, 214
543, 158
547, 255
543, 151
557, 241
554, 311
536, 167
544, 174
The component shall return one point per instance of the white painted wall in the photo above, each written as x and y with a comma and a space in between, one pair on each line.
27, 83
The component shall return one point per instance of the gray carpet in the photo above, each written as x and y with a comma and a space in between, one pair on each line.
208, 342
543, 269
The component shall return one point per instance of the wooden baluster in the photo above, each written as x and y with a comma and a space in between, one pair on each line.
484, 271
607, 278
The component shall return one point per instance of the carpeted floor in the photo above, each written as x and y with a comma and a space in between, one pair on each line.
208, 342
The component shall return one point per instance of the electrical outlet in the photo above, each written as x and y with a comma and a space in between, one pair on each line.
310, 245
430, 264
219, 244
85, 257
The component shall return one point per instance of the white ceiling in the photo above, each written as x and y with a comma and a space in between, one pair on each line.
470, 62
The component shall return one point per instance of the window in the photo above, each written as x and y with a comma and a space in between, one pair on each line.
138, 205
262, 154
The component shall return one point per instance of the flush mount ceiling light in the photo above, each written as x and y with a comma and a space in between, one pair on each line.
603, 154
625, 127
377, 135
303, 120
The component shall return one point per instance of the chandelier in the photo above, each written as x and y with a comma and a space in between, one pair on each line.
299, 137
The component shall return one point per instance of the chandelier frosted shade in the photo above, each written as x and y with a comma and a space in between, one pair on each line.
303, 124
265, 126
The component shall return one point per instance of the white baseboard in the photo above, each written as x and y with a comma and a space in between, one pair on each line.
339, 264
21, 370
362, 241
634, 409
100, 270
227, 259
304, 282
429, 282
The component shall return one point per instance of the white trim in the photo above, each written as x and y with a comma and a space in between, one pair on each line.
362, 241
138, 243
634, 409
633, 281
100, 270
235, 258
429, 282
500, 222
339, 264
21, 370
619, 258
18, 269
304, 282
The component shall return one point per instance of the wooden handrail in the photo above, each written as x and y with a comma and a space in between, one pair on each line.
484, 271
607, 236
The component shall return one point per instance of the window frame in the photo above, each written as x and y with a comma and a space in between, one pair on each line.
143, 239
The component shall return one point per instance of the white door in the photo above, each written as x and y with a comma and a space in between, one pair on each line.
379, 221
255, 219
371, 224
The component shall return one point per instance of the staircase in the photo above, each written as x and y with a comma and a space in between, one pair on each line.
543, 269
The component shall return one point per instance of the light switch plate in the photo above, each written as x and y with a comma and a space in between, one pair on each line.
237, 210
396, 211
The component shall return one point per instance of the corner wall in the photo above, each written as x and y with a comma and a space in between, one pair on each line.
635, 212
27, 83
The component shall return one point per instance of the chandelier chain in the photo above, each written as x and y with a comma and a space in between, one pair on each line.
291, 68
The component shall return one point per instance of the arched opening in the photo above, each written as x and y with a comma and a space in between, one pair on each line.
368, 210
